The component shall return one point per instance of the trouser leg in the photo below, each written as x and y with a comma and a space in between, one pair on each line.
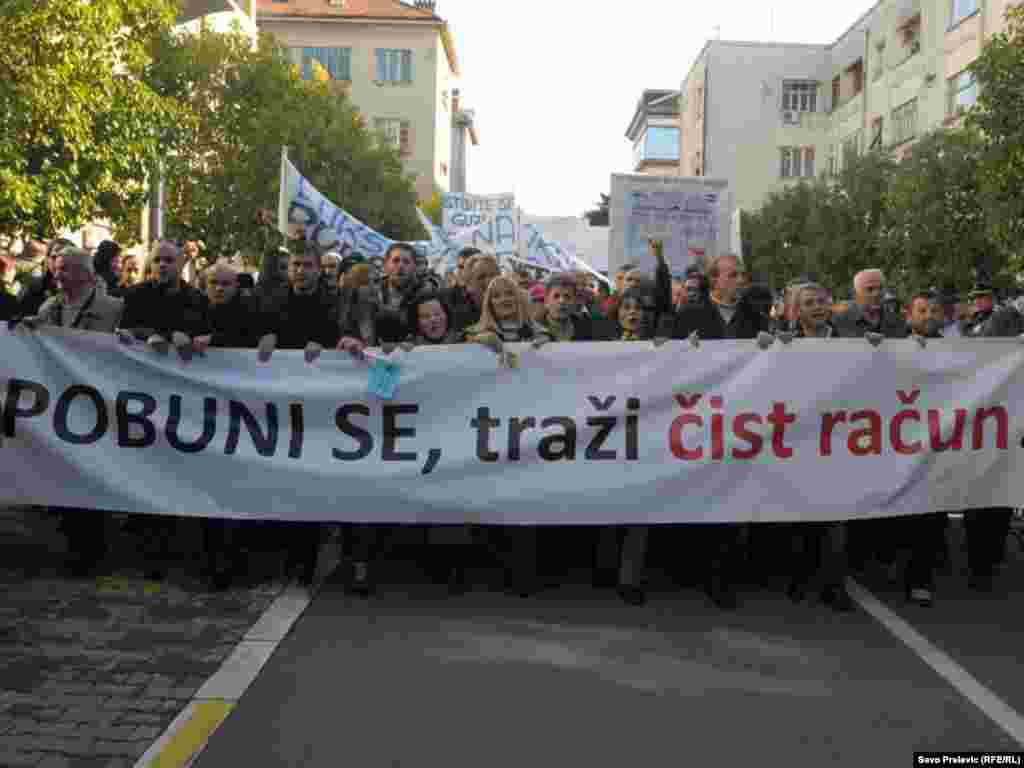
986, 539
834, 558
607, 551
522, 558
804, 551
303, 548
926, 536
634, 555
86, 533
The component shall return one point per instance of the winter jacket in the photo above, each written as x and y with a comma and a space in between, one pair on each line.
149, 309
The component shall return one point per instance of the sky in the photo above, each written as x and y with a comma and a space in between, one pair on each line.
554, 83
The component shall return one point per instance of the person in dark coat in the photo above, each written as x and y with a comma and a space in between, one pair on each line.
8, 306
867, 314
562, 323
818, 542
41, 288
925, 534
163, 312
467, 298
303, 317
166, 305
725, 315
107, 261
236, 323
987, 528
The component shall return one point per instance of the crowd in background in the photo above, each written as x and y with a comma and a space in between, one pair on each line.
304, 299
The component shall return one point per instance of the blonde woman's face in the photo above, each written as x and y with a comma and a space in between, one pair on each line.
505, 303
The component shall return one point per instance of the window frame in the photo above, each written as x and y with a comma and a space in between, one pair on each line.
900, 121
953, 108
802, 96
393, 61
954, 20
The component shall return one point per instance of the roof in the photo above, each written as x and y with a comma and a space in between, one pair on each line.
653, 102
360, 10
350, 9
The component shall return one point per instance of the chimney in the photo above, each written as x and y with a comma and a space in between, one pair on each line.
455, 101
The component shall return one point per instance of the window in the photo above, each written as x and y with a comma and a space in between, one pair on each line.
444, 100
658, 142
394, 65
836, 92
878, 62
444, 169
700, 103
832, 168
796, 162
396, 133
963, 93
800, 96
337, 61
961, 10
904, 122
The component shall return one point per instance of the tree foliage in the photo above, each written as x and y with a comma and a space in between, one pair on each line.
79, 126
999, 71
601, 215
923, 220
247, 103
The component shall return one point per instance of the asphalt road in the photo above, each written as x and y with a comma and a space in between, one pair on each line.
573, 677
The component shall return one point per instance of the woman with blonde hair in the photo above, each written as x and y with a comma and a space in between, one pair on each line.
505, 317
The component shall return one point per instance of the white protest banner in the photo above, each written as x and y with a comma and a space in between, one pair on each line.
324, 223
487, 222
577, 433
691, 215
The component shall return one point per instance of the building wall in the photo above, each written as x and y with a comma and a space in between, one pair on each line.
418, 102
741, 84
443, 84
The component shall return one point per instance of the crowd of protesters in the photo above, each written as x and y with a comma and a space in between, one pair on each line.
312, 301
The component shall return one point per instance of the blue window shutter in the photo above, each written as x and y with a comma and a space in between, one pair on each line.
406, 66
394, 65
332, 59
307, 63
382, 64
345, 64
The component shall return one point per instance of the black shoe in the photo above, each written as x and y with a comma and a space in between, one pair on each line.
797, 591
155, 574
838, 598
80, 567
920, 596
631, 595
457, 581
359, 583
523, 586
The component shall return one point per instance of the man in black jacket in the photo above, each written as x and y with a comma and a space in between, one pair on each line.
163, 312
724, 316
8, 306
467, 298
166, 306
867, 314
303, 318
235, 322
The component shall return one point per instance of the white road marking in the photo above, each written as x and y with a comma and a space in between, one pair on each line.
1001, 713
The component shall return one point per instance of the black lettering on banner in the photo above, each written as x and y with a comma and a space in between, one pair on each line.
125, 420
633, 429
565, 442
360, 435
12, 411
298, 431
209, 426
516, 427
60, 416
483, 424
266, 444
392, 432
594, 450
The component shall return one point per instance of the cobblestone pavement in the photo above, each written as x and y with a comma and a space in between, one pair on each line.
93, 671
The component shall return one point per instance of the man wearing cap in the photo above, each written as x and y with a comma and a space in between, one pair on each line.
987, 528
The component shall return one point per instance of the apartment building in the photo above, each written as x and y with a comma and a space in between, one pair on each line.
764, 114
654, 132
396, 61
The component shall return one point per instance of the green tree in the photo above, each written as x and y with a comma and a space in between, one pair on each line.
80, 128
247, 104
999, 71
936, 215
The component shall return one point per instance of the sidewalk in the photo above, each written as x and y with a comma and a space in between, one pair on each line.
93, 671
